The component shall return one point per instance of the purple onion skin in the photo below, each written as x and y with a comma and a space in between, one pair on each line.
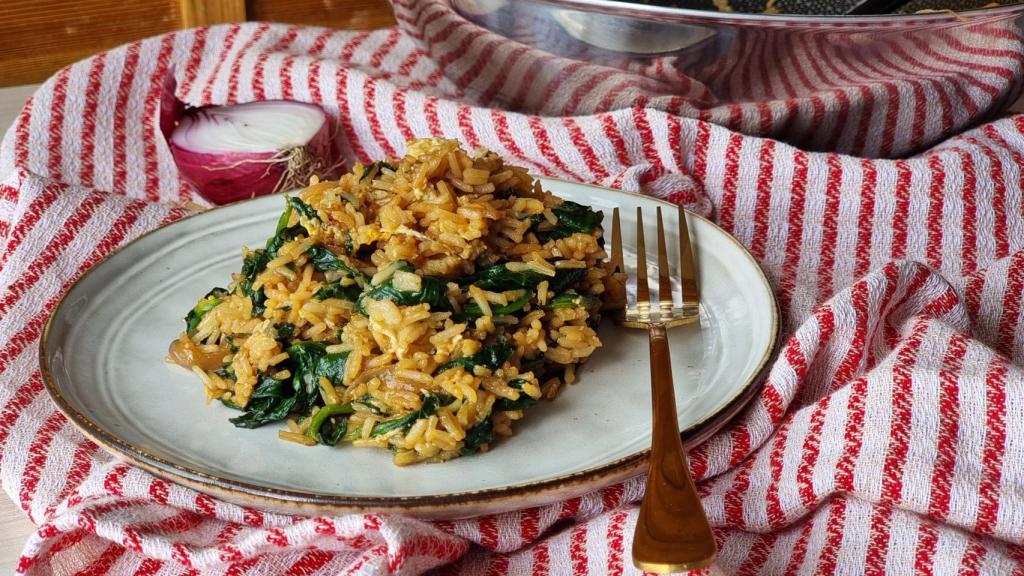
219, 180
227, 177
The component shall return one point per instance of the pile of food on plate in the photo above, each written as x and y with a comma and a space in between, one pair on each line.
419, 305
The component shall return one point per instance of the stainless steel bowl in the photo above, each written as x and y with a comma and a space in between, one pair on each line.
969, 62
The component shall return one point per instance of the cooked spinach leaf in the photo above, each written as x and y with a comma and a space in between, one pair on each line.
265, 411
332, 367
565, 278
285, 330
433, 291
212, 299
306, 356
498, 278
336, 290
472, 309
258, 297
373, 170
271, 400
431, 403
302, 208
573, 218
331, 432
334, 430
311, 362
529, 364
254, 263
324, 260
274, 399
368, 402
477, 436
288, 234
282, 222
492, 357
227, 372
523, 402
570, 299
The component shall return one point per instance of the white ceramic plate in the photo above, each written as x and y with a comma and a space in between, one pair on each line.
103, 359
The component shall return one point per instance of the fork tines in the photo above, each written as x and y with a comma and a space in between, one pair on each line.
638, 309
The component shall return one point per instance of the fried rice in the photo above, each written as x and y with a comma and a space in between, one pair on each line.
420, 305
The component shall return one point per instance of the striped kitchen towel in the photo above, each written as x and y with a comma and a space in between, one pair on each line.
888, 436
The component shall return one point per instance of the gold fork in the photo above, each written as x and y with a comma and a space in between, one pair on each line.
672, 533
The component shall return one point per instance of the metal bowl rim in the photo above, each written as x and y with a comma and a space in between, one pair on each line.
615, 7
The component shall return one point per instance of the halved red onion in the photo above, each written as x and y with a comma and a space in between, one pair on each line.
245, 150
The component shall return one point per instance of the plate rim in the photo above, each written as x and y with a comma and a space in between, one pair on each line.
433, 505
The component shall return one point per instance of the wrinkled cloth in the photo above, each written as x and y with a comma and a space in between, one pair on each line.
888, 435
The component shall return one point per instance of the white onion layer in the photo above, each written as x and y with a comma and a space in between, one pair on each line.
268, 126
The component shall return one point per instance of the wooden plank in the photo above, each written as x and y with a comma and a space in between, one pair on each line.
207, 12
344, 14
14, 532
38, 37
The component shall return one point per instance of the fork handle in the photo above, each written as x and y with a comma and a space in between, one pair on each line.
672, 532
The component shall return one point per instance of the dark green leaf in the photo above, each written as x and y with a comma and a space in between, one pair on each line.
433, 291
430, 405
324, 260
523, 402
282, 222
270, 387
311, 362
285, 330
472, 310
212, 299
254, 263
498, 278
230, 404
302, 208
571, 299
477, 436
573, 218
566, 278
373, 170
264, 411
320, 418
258, 297
529, 364
369, 404
492, 357
306, 356
332, 367
336, 290
286, 235
228, 373
403, 422
271, 400
332, 430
